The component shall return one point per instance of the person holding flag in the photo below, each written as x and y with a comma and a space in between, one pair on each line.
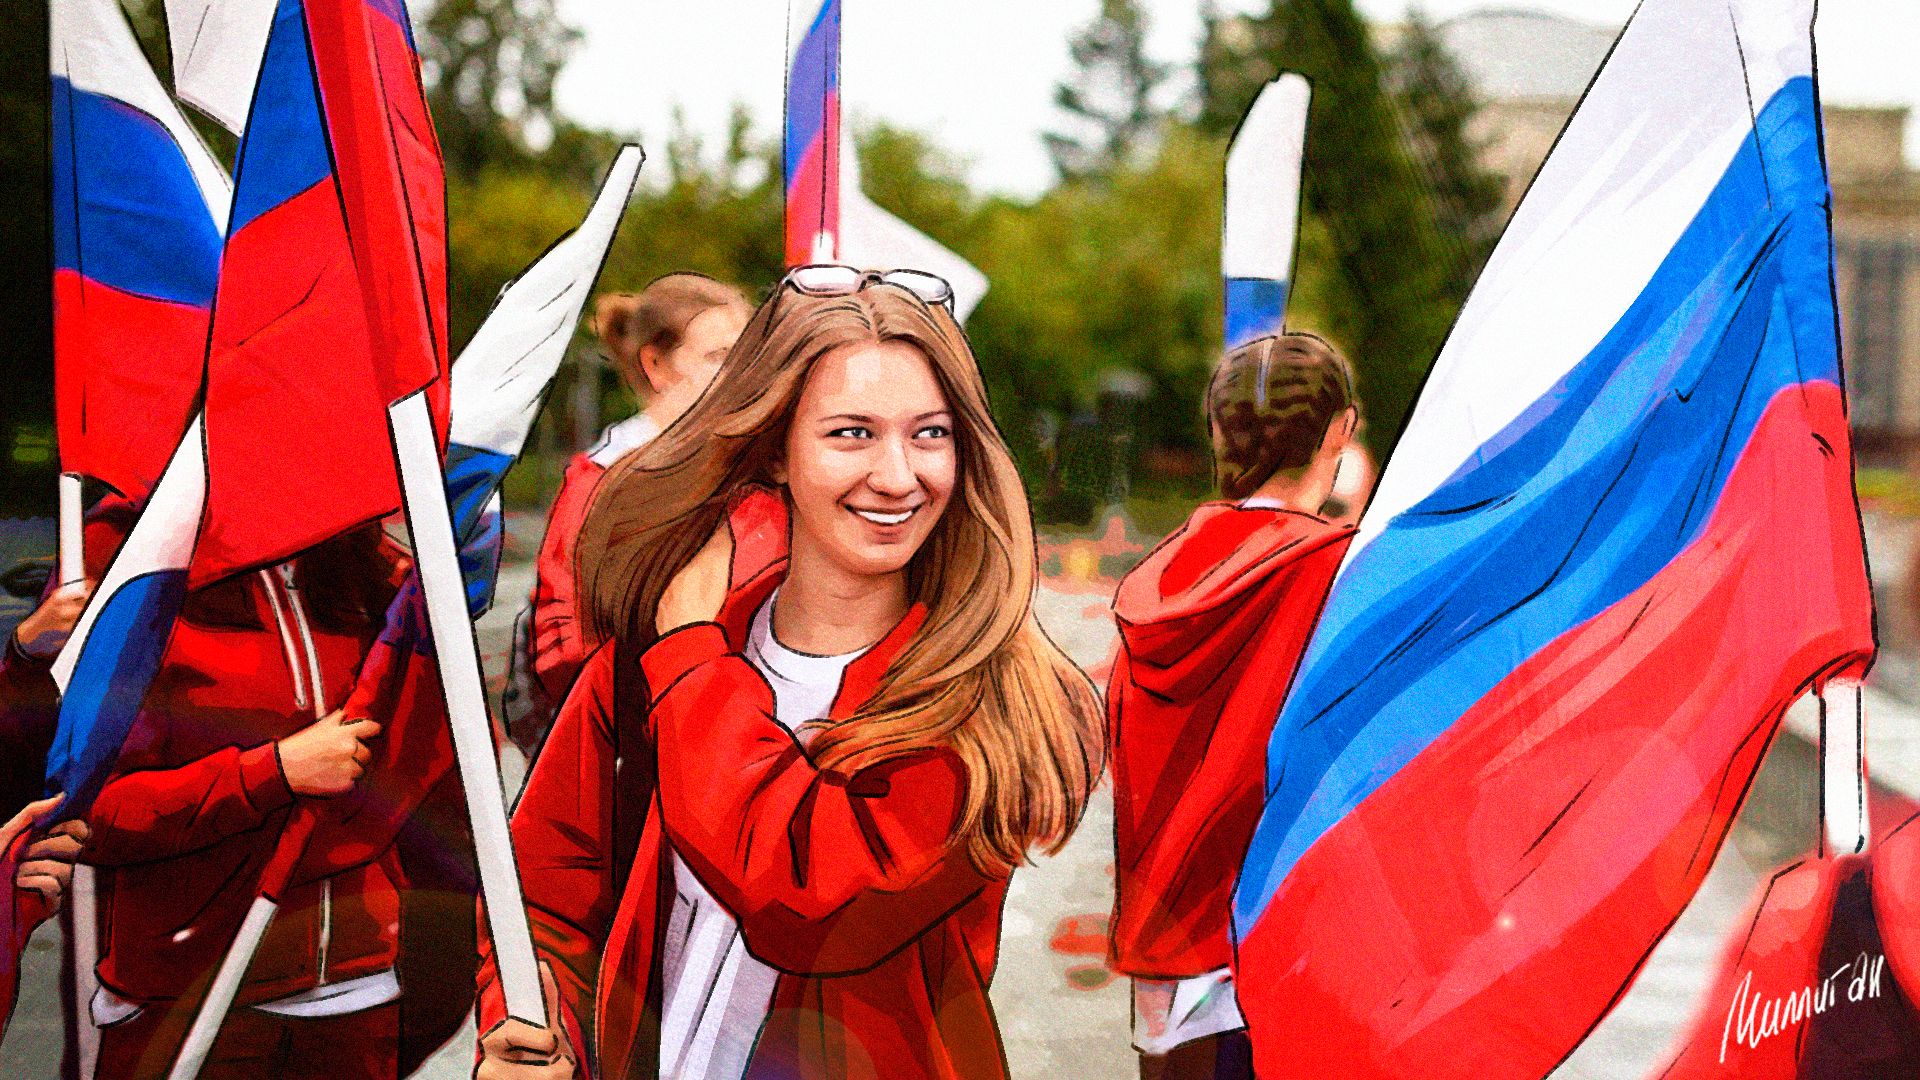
236, 729
666, 343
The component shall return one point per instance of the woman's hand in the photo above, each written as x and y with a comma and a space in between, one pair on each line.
44, 632
47, 866
516, 1050
328, 756
697, 591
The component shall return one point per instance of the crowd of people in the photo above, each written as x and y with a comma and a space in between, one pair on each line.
792, 721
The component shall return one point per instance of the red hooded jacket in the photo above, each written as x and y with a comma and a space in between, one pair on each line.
851, 887
197, 796
1212, 625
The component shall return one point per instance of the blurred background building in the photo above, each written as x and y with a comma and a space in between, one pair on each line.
1528, 69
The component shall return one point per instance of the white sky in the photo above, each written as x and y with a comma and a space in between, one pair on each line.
978, 75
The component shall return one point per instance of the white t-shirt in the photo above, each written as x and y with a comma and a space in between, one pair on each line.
1167, 1014
635, 431
716, 994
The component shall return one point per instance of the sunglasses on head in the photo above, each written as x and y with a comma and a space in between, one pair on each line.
833, 279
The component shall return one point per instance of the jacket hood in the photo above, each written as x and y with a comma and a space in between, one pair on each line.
1192, 605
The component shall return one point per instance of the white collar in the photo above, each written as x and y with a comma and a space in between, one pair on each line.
619, 439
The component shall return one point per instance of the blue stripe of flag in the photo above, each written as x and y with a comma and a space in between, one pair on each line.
127, 210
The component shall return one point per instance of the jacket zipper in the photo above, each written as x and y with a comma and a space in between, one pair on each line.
301, 699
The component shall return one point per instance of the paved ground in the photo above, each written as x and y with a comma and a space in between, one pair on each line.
1063, 1016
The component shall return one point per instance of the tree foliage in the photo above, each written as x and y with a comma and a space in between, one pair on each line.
1437, 105
1109, 96
1389, 304
490, 68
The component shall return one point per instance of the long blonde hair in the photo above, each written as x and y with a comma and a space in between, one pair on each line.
979, 678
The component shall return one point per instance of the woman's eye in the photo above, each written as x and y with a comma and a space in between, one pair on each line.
852, 432
933, 431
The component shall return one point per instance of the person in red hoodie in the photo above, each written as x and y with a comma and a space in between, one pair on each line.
666, 342
237, 727
1212, 625
772, 831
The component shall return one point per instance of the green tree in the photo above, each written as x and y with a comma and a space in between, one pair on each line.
1437, 105
1109, 96
1386, 294
27, 468
490, 68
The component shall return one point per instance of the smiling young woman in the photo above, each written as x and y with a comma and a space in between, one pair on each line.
772, 831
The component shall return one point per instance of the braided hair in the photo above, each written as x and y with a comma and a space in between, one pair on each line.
1270, 402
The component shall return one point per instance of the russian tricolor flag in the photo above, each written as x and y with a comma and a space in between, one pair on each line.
828, 217
1618, 538
812, 148
333, 299
1262, 212
293, 445
139, 207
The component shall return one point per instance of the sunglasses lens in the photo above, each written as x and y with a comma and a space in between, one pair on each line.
825, 279
928, 287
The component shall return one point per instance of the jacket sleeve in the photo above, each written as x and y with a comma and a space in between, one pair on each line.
563, 843
825, 874
29, 700
29, 712
151, 814
559, 640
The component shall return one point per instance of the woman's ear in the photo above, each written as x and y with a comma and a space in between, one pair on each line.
777, 469
652, 366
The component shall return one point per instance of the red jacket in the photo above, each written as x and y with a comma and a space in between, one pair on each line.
560, 646
1212, 624
883, 931
197, 800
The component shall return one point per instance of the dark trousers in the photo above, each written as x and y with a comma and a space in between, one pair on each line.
251, 1045
1226, 1056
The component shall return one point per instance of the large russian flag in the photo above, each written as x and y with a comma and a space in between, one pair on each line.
812, 146
139, 207
1618, 538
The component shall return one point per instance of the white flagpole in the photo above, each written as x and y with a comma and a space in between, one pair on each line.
226, 984
424, 495
1843, 770
84, 912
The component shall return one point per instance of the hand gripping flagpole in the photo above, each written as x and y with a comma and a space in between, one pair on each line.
1843, 770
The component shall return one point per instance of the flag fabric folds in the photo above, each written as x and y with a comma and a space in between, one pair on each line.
812, 147
873, 238
828, 217
332, 303
1617, 539
1263, 209
216, 47
503, 374
139, 206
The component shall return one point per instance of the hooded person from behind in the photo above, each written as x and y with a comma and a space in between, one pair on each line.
1212, 625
